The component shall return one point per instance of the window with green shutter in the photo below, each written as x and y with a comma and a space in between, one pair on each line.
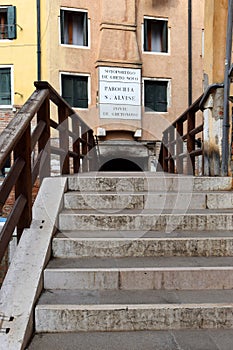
75, 90
74, 28
155, 35
8, 22
155, 95
5, 86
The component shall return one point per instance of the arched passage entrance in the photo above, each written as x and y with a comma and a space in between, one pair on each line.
120, 164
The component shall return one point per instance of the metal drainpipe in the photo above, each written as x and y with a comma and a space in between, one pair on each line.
226, 123
190, 78
38, 41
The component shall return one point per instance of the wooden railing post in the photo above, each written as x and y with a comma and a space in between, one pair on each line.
165, 152
64, 139
91, 150
76, 143
23, 186
190, 143
44, 141
179, 147
171, 165
85, 151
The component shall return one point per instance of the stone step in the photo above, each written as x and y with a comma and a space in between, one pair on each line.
146, 181
139, 273
137, 234
127, 297
193, 245
146, 220
146, 200
124, 200
150, 340
192, 310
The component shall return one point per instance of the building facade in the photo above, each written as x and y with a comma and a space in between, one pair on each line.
124, 68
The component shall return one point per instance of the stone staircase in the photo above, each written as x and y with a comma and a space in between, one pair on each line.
140, 261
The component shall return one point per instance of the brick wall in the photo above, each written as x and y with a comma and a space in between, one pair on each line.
6, 116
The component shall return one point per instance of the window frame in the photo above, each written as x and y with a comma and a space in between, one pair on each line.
88, 87
168, 80
10, 106
72, 9
6, 7
168, 36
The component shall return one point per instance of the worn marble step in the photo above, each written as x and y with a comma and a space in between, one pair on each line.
137, 200
135, 311
146, 181
140, 273
193, 245
211, 339
146, 220
140, 200
148, 200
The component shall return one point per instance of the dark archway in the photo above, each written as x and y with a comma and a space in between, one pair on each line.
120, 164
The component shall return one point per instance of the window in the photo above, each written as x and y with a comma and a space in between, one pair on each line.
75, 90
7, 22
156, 95
6, 97
74, 28
155, 35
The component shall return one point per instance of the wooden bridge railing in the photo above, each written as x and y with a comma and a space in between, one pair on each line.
180, 145
183, 140
30, 152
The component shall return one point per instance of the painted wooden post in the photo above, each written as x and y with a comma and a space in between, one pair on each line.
85, 151
64, 139
44, 140
23, 186
165, 152
171, 150
191, 122
179, 147
76, 142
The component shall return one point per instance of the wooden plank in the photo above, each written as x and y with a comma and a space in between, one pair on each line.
53, 124
58, 151
76, 144
36, 167
64, 139
74, 154
179, 147
37, 132
196, 130
84, 152
191, 143
43, 115
165, 153
196, 152
23, 185
10, 180
193, 108
11, 223
171, 150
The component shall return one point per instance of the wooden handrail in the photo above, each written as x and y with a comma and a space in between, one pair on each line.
30, 152
179, 142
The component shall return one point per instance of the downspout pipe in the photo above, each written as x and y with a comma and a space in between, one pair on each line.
190, 73
38, 40
226, 119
